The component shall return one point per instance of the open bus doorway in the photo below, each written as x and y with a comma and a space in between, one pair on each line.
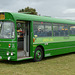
23, 39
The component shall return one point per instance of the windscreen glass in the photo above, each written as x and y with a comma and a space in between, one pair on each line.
6, 30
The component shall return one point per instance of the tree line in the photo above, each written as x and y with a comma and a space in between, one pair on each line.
28, 10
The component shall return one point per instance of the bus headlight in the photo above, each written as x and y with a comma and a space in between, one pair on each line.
8, 58
12, 53
7, 53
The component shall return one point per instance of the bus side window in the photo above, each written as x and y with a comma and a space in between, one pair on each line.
60, 30
72, 30
42, 29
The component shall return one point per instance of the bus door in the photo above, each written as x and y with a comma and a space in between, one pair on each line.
26, 39
22, 39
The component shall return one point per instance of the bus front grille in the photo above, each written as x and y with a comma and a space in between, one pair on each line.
3, 52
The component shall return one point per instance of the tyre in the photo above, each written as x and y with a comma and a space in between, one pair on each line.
38, 54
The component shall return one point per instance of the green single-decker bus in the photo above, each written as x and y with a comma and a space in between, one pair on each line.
24, 36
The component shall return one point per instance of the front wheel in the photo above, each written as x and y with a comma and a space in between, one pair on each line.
38, 54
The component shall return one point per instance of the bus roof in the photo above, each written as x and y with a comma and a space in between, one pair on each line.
28, 17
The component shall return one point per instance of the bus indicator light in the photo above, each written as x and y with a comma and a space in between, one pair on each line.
33, 39
9, 45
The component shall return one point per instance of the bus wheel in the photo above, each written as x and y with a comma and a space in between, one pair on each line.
38, 54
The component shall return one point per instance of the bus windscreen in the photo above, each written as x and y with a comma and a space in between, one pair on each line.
6, 30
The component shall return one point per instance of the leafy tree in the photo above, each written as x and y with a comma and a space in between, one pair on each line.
28, 10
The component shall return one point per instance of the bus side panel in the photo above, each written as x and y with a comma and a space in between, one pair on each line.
59, 51
59, 48
56, 45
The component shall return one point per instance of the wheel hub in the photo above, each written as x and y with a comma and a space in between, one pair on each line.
38, 54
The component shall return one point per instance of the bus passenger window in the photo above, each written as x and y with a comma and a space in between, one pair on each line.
60, 30
72, 30
42, 29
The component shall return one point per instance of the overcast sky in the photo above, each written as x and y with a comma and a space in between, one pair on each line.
54, 8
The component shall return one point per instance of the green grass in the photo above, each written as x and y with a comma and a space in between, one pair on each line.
57, 65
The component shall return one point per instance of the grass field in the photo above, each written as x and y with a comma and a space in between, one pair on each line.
57, 65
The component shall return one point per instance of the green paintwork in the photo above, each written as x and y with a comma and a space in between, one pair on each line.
19, 16
52, 45
53, 39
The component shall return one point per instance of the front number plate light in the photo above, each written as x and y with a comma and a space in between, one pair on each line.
0, 57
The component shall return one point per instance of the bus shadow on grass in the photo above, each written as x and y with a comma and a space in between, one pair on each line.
30, 60
58, 56
16, 62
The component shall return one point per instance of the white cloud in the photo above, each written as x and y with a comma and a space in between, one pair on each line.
68, 11
6, 10
53, 8
70, 18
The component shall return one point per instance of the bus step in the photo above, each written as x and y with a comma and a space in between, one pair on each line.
21, 58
